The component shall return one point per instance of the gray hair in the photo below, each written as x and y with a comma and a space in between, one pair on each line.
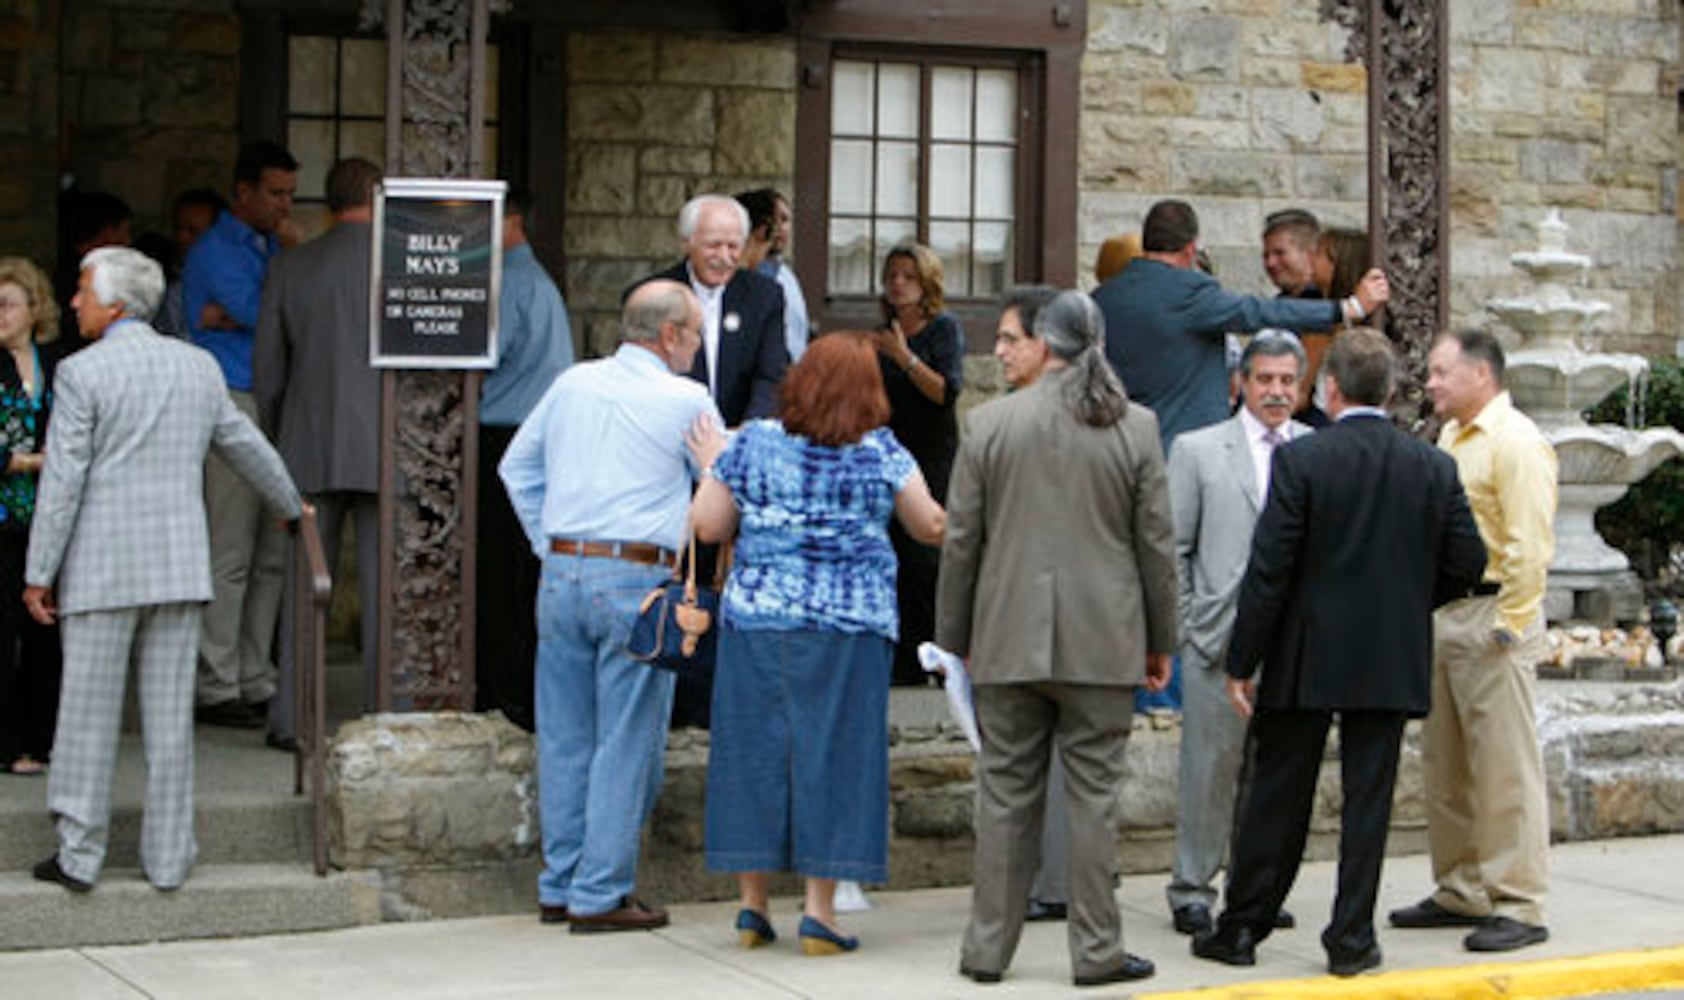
651, 306
690, 216
126, 277
1273, 343
1074, 329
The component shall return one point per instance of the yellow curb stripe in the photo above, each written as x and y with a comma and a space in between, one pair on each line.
1656, 968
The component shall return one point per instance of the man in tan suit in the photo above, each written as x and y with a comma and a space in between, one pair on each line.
1058, 583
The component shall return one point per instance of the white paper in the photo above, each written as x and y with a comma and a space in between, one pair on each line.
936, 660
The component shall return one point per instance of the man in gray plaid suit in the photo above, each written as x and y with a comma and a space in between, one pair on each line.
119, 549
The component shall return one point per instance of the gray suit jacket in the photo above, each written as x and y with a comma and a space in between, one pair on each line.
120, 517
317, 395
1059, 561
1213, 491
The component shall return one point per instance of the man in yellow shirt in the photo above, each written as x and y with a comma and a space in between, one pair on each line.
1487, 815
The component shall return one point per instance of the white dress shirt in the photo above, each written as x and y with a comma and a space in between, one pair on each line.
1263, 448
713, 299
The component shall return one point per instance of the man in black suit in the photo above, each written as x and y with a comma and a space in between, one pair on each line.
743, 354
1366, 530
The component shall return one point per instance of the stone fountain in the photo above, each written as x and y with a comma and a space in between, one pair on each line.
1554, 379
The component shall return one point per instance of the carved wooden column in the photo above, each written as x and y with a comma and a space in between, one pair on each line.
428, 499
1406, 47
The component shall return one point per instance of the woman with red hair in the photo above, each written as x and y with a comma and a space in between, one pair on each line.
798, 771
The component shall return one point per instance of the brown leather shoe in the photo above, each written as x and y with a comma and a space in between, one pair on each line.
548, 914
633, 915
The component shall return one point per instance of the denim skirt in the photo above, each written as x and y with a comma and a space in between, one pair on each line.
798, 766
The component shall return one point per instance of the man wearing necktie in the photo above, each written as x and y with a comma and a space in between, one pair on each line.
1218, 481
1365, 531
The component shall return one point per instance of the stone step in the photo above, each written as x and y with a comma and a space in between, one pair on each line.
219, 900
248, 830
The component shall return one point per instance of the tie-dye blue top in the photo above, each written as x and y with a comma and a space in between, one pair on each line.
813, 540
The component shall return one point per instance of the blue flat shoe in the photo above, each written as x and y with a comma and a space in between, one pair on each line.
817, 939
753, 929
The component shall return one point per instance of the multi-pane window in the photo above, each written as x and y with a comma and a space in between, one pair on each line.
336, 107
926, 150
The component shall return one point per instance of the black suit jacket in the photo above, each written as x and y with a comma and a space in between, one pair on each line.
753, 357
1366, 530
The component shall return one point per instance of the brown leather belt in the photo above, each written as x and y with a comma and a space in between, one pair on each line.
637, 552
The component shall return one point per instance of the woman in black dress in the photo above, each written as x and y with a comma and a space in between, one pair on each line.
921, 349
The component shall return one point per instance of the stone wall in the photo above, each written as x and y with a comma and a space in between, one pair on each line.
1572, 103
151, 99
1240, 109
1244, 108
654, 118
29, 112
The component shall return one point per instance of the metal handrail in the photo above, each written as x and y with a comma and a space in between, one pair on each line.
312, 589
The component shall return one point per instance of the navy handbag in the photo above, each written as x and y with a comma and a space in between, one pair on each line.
677, 625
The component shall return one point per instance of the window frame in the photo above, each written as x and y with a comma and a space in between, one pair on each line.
1044, 42
1025, 148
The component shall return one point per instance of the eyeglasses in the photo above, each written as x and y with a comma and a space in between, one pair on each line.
9, 304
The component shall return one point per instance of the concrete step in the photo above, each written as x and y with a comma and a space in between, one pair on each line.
219, 900
252, 830
245, 812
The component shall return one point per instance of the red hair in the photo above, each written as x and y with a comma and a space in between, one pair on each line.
834, 394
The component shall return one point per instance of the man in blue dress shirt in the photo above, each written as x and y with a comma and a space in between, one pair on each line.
600, 476
534, 345
222, 286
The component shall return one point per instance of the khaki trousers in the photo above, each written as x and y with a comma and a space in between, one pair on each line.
248, 575
1487, 811
1023, 725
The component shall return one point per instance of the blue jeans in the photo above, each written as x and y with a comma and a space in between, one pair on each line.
1169, 697
602, 730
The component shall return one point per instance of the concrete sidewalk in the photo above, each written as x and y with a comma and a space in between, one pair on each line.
1617, 924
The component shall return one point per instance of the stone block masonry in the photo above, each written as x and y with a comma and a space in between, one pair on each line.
1242, 108
655, 118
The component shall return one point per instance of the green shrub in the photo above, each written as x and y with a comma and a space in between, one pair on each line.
1647, 524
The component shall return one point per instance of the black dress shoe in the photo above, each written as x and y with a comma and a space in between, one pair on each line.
49, 871
548, 914
285, 744
982, 976
1505, 934
1350, 965
1285, 921
1038, 911
232, 713
1133, 967
1231, 946
1193, 918
1428, 913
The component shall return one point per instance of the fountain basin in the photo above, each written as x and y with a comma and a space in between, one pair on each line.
1547, 324
1554, 386
1610, 455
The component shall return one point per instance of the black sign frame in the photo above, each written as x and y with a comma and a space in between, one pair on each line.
437, 268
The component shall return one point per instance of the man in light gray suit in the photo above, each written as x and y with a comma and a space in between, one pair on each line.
119, 549
1058, 584
319, 398
1218, 481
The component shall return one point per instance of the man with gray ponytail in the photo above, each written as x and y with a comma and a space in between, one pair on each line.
1058, 584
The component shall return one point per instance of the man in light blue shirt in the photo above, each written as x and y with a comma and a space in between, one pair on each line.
600, 476
222, 286
534, 345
